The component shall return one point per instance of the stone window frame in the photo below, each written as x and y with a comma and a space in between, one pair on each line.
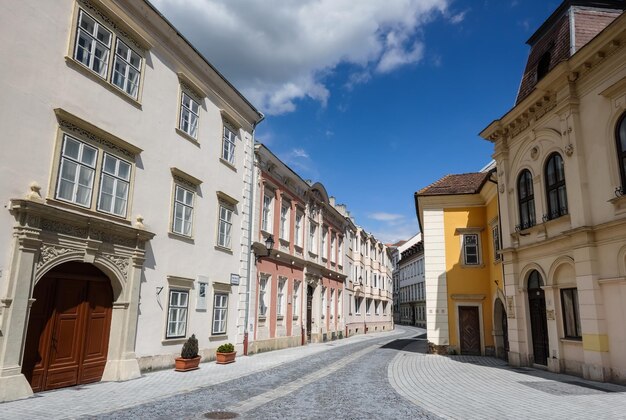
119, 32
183, 180
105, 144
181, 285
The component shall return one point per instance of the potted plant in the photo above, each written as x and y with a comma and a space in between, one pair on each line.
189, 359
226, 354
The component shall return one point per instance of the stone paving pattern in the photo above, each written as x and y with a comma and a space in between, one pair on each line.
471, 387
383, 375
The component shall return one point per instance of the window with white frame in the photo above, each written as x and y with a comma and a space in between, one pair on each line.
298, 229
225, 225
114, 185
350, 303
340, 250
92, 49
183, 210
126, 69
295, 307
357, 305
313, 237
220, 313
284, 220
177, 314
324, 304
280, 297
324, 242
228, 145
332, 303
77, 176
333, 249
263, 287
266, 216
470, 249
189, 115
377, 307
368, 306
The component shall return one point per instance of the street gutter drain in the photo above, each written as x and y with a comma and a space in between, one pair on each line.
221, 415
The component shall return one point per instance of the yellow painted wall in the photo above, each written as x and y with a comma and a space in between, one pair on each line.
476, 280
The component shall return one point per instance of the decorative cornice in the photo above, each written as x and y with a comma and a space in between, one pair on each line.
72, 123
185, 178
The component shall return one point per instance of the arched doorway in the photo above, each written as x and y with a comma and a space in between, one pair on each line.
68, 329
538, 321
501, 330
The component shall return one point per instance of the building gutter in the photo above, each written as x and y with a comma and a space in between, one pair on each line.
250, 225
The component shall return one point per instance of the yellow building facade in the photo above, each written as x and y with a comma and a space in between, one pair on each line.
459, 219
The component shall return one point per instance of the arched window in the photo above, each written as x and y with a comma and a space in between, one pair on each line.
526, 199
534, 280
621, 149
555, 187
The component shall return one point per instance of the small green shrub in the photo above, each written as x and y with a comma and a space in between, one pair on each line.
190, 348
226, 348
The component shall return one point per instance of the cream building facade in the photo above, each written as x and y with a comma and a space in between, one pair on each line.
369, 304
127, 187
412, 292
561, 166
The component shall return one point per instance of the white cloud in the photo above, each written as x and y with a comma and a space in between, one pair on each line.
457, 18
385, 217
301, 153
279, 52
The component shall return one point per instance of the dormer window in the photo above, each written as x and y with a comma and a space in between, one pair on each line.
543, 66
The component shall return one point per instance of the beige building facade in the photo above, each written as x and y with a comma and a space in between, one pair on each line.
561, 166
126, 183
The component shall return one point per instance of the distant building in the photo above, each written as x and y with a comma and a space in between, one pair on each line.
299, 287
369, 303
412, 295
561, 159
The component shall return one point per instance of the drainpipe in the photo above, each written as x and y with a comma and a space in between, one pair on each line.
250, 224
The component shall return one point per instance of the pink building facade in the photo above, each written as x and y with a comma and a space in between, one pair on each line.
298, 290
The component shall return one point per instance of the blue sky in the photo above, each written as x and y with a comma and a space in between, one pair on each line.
375, 99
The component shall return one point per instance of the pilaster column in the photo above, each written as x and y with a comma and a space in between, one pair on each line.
122, 364
15, 308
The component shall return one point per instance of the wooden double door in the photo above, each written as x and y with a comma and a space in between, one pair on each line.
68, 329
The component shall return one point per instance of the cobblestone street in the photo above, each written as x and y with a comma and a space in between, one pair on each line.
384, 375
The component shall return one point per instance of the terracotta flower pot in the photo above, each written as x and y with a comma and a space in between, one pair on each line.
225, 358
183, 365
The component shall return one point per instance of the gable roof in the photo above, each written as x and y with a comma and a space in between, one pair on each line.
470, 183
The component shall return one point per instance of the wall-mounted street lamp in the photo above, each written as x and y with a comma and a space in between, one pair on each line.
360, 279
269, 245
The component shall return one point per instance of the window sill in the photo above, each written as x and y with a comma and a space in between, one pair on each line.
280, 317
284, 242
312, 254
262, 318
228, 164
174, 235
66, 205
295, 317
224, 249
218, 337
572, 340
171, 341
472, 265
186, 136
103, 82
298, 248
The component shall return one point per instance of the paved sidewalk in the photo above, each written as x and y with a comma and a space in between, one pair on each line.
469, 387
104, 397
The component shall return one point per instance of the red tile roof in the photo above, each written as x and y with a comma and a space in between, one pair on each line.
456, 184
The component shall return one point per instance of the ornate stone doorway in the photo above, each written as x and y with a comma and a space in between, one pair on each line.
68, 331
